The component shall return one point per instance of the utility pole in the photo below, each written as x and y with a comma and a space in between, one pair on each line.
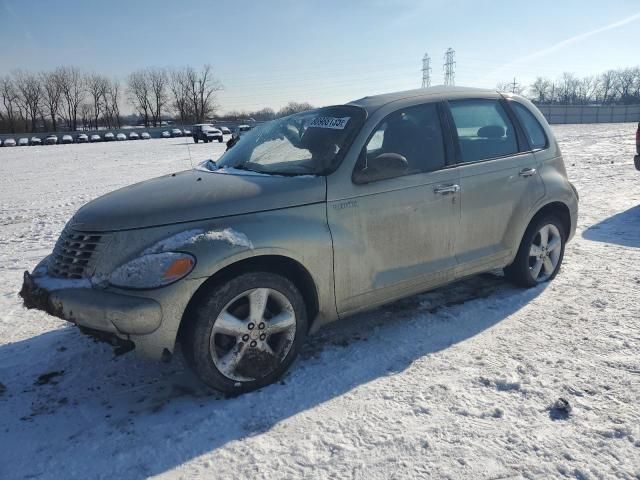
515, 86
449, 67
426, 71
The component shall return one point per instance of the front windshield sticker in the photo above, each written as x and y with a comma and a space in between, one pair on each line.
329, 122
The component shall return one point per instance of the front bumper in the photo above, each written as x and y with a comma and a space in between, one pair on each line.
94, 308
636, 161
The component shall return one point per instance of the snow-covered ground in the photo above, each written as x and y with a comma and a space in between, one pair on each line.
456, 383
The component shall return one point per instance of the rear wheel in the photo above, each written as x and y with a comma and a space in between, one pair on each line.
244, 334
220, 140
540, 254
195, 139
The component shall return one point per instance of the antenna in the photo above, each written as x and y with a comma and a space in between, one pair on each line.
426, 71
449, 67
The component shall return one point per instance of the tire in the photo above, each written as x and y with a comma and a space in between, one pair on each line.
522, 271
195, 139
225, 346
220, 140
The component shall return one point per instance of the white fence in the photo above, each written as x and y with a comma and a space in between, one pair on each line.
590, 113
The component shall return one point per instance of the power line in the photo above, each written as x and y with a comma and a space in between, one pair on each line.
449, 67
426, 71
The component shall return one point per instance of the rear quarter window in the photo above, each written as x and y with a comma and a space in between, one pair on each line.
532, 128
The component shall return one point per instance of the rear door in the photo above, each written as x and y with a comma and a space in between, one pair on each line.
396, 236
499, 182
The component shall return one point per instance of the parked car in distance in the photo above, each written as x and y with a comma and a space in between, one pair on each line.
176, 132
166, 134
311, 218
239, 130
145, 136
23, 142
82, 138
35, 141
9, 142
109, 137
120, 137
96, 138
225, 130
206, 132
636, 159
67, 139
51, 140
134, 136
186, 132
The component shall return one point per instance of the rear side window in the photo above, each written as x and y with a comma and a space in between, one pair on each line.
484, 129
413, 132
532, 128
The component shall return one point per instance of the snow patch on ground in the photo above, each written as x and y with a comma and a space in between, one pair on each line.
462, 382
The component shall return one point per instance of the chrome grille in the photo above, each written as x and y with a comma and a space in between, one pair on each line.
74, 255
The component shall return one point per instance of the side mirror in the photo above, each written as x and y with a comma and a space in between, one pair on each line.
382, 167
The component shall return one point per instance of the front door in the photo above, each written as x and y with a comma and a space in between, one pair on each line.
394, 237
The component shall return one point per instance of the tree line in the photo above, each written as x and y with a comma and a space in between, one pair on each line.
613, 87
69, 99
265, 114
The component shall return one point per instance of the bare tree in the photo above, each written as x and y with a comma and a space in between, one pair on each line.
9, 96
73, 93
201, 88
96, 87
29, 96
568, 87
86, 112
606, 87
541, 89
625, 80
52, 96
293, 107
158, 80
586, 89
179, 92
111, 103
139, 91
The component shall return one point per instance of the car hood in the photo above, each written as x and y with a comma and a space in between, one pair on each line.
196, 195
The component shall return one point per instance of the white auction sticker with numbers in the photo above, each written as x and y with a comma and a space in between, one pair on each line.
329, 122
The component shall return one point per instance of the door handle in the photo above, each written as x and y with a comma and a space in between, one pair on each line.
527, 172
445, 189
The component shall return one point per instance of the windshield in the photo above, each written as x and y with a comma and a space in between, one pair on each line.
307, 143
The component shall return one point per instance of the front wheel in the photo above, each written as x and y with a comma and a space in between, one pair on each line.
245, 333
540, 254
220, 140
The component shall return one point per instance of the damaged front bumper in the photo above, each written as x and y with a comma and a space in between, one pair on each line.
93, 308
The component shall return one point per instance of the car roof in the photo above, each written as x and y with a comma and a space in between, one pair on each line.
438, 92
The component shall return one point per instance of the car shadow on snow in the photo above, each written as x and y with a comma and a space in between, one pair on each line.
67, 398
620, 229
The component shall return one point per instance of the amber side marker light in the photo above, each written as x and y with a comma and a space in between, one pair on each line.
178, 269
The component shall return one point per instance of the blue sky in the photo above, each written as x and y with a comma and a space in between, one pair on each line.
269, 52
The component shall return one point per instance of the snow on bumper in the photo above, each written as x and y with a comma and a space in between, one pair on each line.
95, 309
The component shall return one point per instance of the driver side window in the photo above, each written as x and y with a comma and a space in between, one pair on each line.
406, 142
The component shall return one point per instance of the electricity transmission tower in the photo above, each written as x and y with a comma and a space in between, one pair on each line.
515, 86
426, 71
449, 67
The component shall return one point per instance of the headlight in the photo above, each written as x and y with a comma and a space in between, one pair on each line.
153, 270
